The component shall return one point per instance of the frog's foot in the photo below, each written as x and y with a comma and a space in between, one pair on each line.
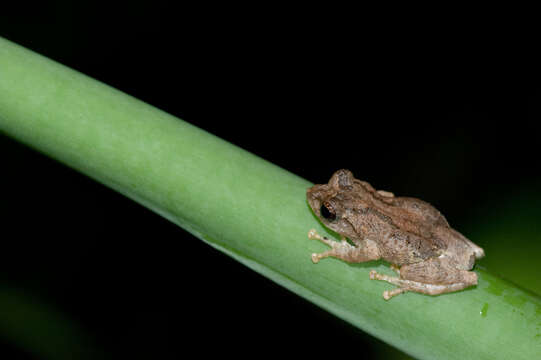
374, 275
340, 249
313, 235
387, 294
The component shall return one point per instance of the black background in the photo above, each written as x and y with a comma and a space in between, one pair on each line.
451, 118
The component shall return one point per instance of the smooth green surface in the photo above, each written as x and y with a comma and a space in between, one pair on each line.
248, 208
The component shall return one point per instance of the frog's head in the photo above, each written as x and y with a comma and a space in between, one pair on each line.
331, 202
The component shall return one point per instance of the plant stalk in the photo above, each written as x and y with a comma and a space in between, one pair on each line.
248, 208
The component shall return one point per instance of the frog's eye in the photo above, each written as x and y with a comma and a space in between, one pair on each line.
327, 211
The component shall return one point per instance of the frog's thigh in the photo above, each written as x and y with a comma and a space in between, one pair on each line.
432, 277
438, 271
435, 276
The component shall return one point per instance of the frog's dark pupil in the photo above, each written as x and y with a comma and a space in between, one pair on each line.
326, 213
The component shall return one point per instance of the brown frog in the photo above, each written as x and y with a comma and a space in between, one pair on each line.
427, 254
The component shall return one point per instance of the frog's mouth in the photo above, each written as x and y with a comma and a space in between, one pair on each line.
314, 205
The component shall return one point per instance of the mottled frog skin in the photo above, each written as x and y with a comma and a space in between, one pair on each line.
429, 256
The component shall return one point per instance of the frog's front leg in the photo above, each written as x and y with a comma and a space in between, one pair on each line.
344, 250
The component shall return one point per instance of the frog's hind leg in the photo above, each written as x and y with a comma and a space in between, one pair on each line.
402, 284
408, 285
431, 277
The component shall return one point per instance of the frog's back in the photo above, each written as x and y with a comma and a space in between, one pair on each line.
404, 247
420, 210
406, 230
428, 234
403, 236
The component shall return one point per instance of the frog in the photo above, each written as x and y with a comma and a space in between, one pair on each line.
428, 256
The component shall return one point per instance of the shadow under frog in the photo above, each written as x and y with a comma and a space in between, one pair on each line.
427, 254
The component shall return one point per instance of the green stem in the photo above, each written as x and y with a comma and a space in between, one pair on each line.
248, 208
